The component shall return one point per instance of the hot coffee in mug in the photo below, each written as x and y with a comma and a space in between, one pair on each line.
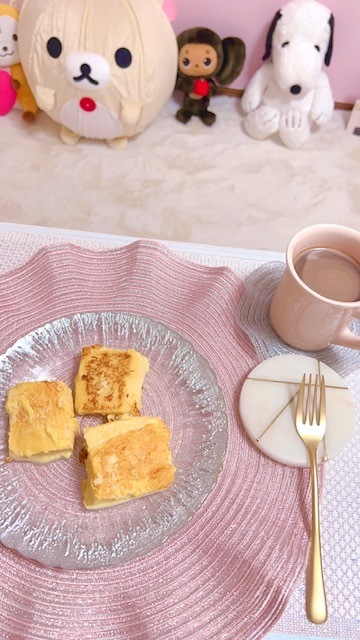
330, 272
319, 292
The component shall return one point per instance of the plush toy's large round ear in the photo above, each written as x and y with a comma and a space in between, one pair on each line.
270, 34
234, 58
331, 41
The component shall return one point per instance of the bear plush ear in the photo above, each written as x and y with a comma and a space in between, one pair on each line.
234, 58
169, 7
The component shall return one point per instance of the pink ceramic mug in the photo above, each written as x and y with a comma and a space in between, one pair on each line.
319, 292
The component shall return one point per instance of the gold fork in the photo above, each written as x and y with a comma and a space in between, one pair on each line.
310, 419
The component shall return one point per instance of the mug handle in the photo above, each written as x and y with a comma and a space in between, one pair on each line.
347, 338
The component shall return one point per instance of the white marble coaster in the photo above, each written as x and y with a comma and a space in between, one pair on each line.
268, 402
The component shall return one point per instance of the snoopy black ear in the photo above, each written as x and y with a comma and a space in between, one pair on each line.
331, 41
270, 33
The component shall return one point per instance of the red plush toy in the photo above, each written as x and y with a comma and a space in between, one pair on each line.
202, 57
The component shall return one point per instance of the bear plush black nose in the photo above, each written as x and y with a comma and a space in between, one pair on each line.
85, 74
295, 89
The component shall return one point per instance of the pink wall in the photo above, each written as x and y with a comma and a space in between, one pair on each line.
250, 20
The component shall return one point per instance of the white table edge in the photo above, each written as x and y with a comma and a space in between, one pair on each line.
199, 249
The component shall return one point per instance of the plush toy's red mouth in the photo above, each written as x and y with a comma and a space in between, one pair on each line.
87, 104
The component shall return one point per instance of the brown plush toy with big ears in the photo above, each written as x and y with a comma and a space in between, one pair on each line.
202, 57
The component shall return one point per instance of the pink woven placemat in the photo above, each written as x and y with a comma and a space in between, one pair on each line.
230, 571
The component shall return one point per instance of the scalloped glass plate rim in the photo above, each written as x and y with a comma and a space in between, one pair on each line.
195, 381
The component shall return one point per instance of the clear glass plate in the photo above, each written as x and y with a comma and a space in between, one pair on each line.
41, 511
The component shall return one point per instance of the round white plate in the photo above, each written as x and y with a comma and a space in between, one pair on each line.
41, 510
268, 402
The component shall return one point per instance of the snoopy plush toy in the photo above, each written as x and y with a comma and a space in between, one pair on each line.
291, 91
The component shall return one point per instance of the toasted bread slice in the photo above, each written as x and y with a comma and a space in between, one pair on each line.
126, 459
42, 422
109, 381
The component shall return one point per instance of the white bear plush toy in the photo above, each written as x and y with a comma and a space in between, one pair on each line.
102, 69
291, 91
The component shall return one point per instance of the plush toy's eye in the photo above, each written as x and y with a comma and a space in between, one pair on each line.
186, 62
123, 58
285, 44
15, 37
207, 62
54, 47
317, 47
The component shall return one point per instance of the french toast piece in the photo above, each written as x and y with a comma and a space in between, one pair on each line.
126, 459
42, 422
109, 381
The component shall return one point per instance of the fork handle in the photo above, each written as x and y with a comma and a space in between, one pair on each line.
316, 598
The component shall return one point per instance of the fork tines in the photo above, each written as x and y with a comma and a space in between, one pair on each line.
314, 407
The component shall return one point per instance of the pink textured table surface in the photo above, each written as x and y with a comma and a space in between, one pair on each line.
231, 571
